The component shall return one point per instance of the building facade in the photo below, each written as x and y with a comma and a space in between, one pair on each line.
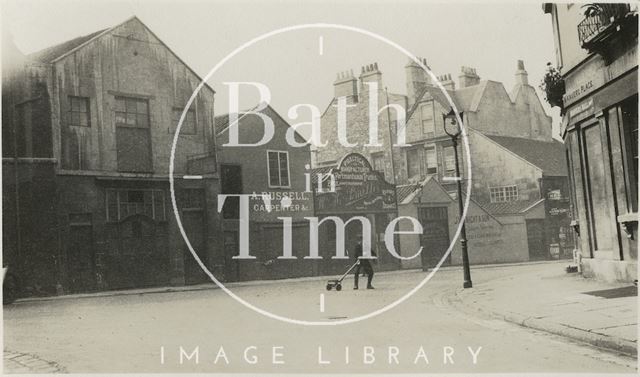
87, 130
514, 159
596, 54
278, 171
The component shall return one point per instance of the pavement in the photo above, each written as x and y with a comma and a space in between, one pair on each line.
565, 304
146, 331
23, 363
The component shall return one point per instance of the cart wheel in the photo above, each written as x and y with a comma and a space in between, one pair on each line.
328, 287
339, 287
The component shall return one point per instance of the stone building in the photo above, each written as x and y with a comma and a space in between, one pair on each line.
87, 131
597, 55
514, 160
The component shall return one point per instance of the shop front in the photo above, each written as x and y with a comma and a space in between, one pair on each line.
600, 129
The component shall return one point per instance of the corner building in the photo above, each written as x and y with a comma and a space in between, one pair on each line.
597, 56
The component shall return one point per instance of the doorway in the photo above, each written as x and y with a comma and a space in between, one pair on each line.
81, 258
435, 236
231, 181
535, 240
193, 224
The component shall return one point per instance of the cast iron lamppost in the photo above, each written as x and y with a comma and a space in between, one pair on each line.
452, 128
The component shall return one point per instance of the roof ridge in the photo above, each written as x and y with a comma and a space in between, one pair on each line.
41, 55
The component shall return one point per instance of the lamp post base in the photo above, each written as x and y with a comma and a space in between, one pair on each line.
467, 284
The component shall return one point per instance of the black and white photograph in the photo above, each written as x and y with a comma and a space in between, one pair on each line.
319, 187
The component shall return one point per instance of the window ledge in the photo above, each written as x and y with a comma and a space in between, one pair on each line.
628, 217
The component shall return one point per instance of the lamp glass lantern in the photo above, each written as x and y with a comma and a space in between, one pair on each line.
451, 125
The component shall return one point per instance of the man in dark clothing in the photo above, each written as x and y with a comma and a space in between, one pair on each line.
364, 264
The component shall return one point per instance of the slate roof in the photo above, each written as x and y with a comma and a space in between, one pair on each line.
508, 208
321, 170
548, 156
49, 54
403, 191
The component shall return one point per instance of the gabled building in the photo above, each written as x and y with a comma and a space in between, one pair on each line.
514, 158
277, 170
87, 138
496, 233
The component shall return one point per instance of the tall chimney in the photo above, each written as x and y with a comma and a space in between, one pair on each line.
370, 73
522, 77
468, 77
447, 82
346, 85
417, 78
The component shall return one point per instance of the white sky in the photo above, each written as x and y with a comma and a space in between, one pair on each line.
488, 36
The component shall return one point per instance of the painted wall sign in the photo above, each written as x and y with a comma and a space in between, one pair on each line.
582, 110
594, 74
358, 189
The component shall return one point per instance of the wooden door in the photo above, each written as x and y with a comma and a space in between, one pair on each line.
536, 240
193, 223
81, 259
435, 236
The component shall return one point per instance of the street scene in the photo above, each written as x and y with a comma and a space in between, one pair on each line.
130, 329
321, 190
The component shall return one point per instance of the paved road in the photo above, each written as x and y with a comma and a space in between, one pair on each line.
126, 333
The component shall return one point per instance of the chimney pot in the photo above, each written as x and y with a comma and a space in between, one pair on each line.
370, 73
468, 77
416, 78
522, 77
345, 85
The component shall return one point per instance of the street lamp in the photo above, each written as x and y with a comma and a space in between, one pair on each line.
452, 128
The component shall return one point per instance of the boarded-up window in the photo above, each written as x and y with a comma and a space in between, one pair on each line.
33, 129
133, 137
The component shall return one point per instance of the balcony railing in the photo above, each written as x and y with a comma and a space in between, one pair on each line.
600, 23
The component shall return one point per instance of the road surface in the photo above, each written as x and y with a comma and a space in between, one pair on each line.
149, 332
